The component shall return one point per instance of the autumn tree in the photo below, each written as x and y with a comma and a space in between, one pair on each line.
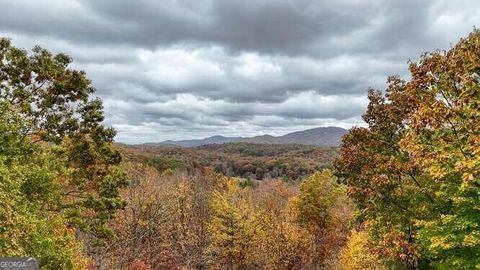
165, 222
443, 141
358, 254
324, 209
414, 170
381, 178
257, 228
282, 243
232, 228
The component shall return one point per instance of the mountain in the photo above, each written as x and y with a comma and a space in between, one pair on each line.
319, 136
210, 140
322, 136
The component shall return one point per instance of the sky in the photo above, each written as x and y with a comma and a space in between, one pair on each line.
172, 69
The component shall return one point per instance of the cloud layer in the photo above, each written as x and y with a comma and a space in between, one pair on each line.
187, 69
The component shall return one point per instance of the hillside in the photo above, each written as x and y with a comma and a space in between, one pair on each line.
217, 139
256, 161
321, 136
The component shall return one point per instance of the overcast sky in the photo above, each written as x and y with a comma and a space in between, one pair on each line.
177, 69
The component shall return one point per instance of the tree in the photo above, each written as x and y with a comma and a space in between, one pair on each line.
165, 223
324, 209
232, 227
357, 254
380, 176
28, 175
53, 127
280, 241
414, 172
443, 140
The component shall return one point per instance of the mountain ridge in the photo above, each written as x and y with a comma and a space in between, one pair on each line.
321, 136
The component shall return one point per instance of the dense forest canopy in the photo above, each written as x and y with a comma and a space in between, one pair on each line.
246, 160
401, 193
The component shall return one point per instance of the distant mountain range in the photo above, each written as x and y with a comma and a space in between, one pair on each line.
322, 136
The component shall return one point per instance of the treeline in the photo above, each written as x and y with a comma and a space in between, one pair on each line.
246, 160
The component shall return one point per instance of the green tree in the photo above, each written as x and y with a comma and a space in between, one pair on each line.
28, 190
56, 154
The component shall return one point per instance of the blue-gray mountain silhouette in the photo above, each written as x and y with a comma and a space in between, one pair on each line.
322, 136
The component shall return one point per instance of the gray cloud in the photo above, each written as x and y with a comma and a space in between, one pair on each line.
185, 69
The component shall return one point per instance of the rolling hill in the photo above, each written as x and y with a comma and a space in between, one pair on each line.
321, 136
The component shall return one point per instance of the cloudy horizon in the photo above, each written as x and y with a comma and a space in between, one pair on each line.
192, 69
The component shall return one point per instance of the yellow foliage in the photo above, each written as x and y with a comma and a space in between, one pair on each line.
357, 256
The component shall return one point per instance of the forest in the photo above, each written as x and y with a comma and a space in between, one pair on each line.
246, 160
401, 192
